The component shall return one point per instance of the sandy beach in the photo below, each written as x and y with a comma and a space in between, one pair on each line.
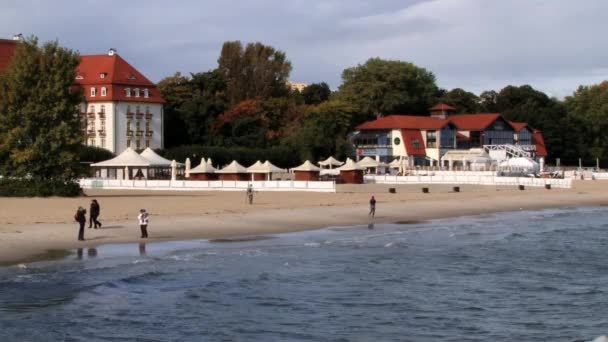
30, 227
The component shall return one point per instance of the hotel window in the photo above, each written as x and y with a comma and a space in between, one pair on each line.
416, 144
138, 144
128, 125
93, 92
128, 142
92, 142
147, 142
147, 125
92, 109
103, 91
431, 139
102, 75
146, 93
137, 109
102, 110
136, 92
128, 92
128, 109
147, 109
103, 143
137, 125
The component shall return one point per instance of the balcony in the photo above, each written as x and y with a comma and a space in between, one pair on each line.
91, 132
102, 115
139, 115
130, 115
148, 116
102, 132
149, 133
130, 133
139, 133
91, 115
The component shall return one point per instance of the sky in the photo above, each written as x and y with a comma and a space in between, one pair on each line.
477, 45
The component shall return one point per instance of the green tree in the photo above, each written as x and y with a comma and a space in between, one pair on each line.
176, 90
40, 131
462, 100
257, 71
316, 93
488, 101
387, 87
589, 106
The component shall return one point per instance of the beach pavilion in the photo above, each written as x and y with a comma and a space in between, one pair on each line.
160, 168
519, 165
369, 164
233, 171
123, 166
306, 172
204, 171
330, 162
351, 172
263, 171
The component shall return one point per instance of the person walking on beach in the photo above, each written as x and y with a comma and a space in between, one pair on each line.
372, 207
94, 214
143, 223
81, 218
250, 194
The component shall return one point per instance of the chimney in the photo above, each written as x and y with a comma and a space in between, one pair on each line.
111, 52
18, 36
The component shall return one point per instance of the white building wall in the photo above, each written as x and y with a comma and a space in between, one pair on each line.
398, 150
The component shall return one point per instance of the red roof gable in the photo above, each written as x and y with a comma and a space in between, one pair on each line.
7, 49
518, 126
442, 106
539, 141
404, 122
409, 137
118, 75
473, 122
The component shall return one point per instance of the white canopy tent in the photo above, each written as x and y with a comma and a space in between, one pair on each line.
160, 167
233, 167
306, 166
520, 164
350, 165
330, 162
203, 167
481, 162
266, 168
121, 166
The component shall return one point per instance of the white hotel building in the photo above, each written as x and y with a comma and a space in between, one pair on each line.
122, 108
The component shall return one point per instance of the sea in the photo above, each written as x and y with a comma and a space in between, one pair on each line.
516, 276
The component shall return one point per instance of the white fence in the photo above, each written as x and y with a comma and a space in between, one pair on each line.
459, 179
201, 185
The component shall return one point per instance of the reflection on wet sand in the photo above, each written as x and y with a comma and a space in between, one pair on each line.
142, 248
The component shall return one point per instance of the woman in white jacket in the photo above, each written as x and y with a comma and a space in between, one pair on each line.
143, 223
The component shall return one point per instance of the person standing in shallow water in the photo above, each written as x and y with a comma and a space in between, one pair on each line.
94, 212
81, 218
143, 223
372, 207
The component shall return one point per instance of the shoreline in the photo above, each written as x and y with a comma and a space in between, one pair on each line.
174, 217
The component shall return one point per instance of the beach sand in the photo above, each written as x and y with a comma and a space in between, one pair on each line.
31, 227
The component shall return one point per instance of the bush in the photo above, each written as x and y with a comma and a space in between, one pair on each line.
280, 156
88, 155
19, 187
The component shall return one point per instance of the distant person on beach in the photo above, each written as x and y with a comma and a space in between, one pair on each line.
250, 194
372, 207
94, 214
81, 218
143, 223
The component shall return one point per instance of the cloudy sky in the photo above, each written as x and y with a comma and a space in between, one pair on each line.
553, 45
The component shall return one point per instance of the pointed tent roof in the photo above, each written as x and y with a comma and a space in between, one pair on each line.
368, 162
350, 165
233, 167
306, 166
257, 167
331, 161
203, 167
265, 167
127, 158
154, 158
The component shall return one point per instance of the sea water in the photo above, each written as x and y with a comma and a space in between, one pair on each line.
521, 276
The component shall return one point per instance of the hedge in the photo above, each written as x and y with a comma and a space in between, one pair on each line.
14, 187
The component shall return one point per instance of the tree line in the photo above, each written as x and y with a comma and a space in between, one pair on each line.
245, 106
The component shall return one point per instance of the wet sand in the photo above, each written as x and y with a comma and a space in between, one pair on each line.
29, 227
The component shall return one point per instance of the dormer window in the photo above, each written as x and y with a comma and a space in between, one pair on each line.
103, 91
93, 92
146, 93
131, 77
102, 75
128, 92
136, 92
78, 77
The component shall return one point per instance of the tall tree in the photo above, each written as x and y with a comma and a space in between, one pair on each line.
176, 90
462, 100
257, 71
388, 87
40, 131
589, 105
316, 93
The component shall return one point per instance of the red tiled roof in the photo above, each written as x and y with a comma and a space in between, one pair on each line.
442, 106
409, 135
404, 122
473, 122
119, 75
518, 126
7, 48
539, 141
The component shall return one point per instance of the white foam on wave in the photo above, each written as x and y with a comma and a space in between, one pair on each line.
312, 244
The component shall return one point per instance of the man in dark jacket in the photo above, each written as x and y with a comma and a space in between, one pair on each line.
94, 212
81, 218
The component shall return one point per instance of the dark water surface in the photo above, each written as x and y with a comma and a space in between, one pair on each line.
524, 276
